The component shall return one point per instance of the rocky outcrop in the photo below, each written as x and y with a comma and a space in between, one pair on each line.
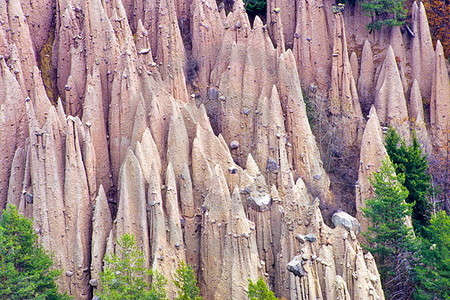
417, 115
344, 103
366, 75
372, 154
421, 64
390, 100
440, 104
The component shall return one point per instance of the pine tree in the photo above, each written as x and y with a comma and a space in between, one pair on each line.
433, 272
186, 283
412, 162
389, 237
125, 277
259, 291
386, 13
24, 265
255, 7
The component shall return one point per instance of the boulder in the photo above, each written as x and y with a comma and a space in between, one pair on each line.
347, 221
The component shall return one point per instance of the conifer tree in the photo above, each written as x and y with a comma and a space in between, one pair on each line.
186, 283
433, 272
125, 277
24, 265
389, 237
412, 162
259, 291
385, 13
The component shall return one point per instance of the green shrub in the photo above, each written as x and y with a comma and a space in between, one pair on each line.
259, 291
433, 272
385, 13
125, 277
255, 7
390, 238
410, 161
24, 265
186, 283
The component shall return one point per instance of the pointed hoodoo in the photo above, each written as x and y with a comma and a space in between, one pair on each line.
312, 47
415, 109
167, 46
344, 102
390, 100
365, 80
398, 45
422, 49
305, 153
93, 117
78, 211
101, 226
132, 210
207, 34
440, 104
228, 246
372, 154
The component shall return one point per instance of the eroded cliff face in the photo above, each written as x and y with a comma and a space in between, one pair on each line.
186, 126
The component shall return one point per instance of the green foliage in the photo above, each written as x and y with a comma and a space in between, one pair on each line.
24, 265
259, 291
125, 277
412, 163
390, 239
255, 7
186, 283
433, 272
387, 13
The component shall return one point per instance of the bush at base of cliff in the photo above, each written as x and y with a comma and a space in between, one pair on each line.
433, 271
259, 291
186, 283
385, 13
125, 277
390, 238
24, 265
410, 161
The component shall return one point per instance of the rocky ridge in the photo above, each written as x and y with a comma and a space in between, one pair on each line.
187, 126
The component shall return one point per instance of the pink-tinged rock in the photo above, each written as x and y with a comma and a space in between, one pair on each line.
93, 116
354, 65
125, 97
68, 53
39, 16
312, 47
47, 164
207, 36
228, 256
365, 80
390, 100
167, 46
344, 102
422, 49
78, 211
372, 154
20, 35
305, 154
440, 104
101, 226
13, 127
398, 45
132, 210
416, 114
282, 17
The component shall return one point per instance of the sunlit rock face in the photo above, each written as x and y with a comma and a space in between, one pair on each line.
185, 123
